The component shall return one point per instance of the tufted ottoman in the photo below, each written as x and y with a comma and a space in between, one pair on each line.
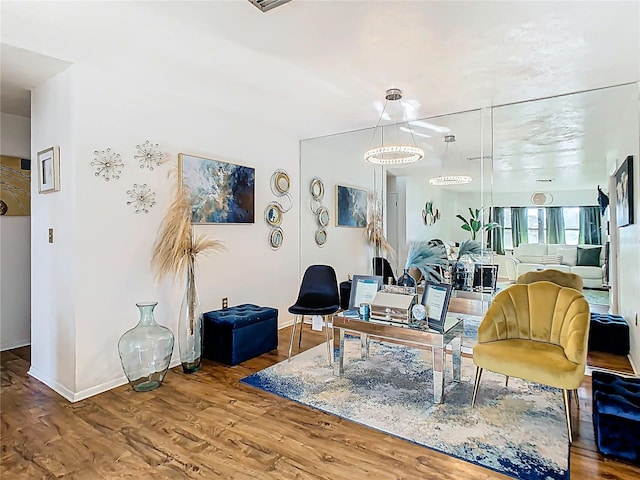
233, 335
609, 333
616, 415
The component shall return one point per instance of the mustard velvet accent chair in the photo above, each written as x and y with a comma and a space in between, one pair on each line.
537, 332
564, 279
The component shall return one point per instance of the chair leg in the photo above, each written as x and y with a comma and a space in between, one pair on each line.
326, 327
567, 411
576, 398
476, 385
293, 334
300, 337
506, 381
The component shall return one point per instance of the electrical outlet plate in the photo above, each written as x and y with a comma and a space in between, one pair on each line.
225, 302
51, 235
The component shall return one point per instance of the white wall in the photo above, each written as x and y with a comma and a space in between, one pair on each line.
15, 260
108, 270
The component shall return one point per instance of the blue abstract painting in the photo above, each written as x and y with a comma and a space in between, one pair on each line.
351, 206
219, 192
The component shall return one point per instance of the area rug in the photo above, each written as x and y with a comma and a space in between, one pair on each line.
517, 430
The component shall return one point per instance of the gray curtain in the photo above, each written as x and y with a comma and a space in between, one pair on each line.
496, 235
519, 225
590, 228
555, 225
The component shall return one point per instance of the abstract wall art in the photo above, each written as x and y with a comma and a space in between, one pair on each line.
624, 193
351, 207
15, 186
219, 192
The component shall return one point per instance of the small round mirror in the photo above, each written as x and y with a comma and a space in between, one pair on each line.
321, 237
273, 214
317, 189
323, 216
275, 238
281, 182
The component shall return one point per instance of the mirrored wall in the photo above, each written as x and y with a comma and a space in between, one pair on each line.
551, 152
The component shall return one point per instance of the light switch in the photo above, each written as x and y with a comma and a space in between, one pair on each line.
51, 235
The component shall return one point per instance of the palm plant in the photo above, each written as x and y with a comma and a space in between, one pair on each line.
428, 258
474, 223
469, 247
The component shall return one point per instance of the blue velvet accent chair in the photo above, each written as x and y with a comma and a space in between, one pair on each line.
318, 295
616, 415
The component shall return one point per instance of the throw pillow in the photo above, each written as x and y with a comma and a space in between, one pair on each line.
530, 258
589, 257
569, 255
551, 260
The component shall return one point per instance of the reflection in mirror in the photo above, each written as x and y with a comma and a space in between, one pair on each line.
550, 156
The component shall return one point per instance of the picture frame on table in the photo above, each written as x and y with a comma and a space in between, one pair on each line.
436, 299
49, 170
364, 289
624, 193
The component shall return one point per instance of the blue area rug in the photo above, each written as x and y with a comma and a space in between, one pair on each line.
517, 430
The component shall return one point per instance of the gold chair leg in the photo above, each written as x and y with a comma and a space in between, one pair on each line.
567, 411
506, 381
476, 385
293, 334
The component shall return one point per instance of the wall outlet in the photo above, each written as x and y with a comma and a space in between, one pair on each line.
51, 235
225, 302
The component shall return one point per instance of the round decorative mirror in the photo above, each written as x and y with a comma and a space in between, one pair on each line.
273, 214
317, 189
281, 182
323, 216
276, 238
321, 237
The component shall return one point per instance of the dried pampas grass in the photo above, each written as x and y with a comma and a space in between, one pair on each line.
374, 230
176, 248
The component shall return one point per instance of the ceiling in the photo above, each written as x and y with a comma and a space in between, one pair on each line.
312, 68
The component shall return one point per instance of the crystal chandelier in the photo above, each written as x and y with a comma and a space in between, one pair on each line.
449, 179
397, 154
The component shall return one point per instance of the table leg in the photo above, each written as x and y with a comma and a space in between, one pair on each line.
438, 374
364, 346
338, 364
456, 356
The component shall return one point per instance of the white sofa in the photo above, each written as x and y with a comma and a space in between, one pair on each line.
529, 256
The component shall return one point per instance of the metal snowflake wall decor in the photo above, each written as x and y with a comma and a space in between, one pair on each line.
149, 155
109, 164
142, 198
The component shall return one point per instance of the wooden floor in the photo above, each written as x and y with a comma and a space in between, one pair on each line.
209, 426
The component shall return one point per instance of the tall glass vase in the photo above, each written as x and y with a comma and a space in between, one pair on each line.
190, 325
145, 350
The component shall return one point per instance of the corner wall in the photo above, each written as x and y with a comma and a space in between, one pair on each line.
15, 259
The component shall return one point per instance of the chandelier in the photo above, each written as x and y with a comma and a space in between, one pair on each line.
397, 154
449, 179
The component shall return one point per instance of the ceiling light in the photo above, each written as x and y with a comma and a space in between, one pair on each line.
544, 180
266, 5
394, 154
449, 179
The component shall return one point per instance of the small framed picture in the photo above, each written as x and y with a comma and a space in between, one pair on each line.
436, 302
364, 289
49, 170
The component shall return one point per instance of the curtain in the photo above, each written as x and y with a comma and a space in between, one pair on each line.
496, 235
555, 225
590, 229
519, 225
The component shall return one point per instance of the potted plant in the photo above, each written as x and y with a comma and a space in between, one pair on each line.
474, 223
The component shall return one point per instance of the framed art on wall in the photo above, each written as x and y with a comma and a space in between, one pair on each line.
49, 170
351, 207
219, 192
624, 192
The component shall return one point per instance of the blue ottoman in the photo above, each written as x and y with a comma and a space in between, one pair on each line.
609, 333
616, 415
236, 334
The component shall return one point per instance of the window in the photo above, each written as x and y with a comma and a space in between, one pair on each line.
508, 232
536, 226
571, 224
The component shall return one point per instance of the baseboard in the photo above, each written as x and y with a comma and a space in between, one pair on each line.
16, 344
87, 392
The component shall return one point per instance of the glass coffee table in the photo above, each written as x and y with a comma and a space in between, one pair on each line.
416, 334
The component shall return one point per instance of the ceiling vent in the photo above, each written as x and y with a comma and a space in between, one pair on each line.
541, 198
266, 5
